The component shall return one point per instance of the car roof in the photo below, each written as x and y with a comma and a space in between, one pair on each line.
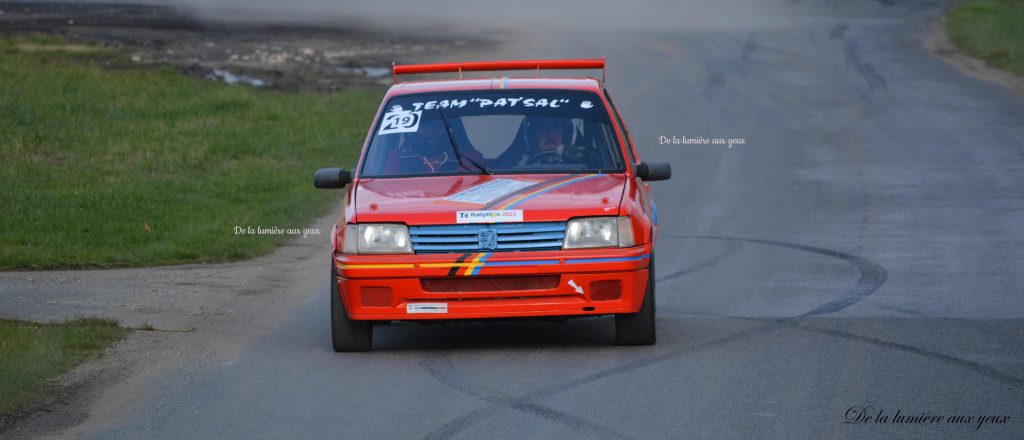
494, 83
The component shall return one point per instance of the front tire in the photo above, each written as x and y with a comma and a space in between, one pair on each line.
347, 335
638, 328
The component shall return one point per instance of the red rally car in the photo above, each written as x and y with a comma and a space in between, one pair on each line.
494, 198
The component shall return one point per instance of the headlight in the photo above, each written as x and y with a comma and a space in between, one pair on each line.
594, 232
377, 238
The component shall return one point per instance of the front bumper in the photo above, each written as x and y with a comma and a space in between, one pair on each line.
493, 285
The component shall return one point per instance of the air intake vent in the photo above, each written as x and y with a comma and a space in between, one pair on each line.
605, 290
375, 296
490, 284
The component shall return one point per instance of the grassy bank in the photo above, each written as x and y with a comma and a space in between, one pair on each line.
992, 30
32, 354
109, 167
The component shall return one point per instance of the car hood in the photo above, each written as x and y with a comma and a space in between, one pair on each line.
438, 199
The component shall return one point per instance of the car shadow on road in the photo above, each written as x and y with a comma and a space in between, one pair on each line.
530, 334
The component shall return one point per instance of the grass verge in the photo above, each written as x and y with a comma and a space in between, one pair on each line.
992, 30
113, 167
32, 354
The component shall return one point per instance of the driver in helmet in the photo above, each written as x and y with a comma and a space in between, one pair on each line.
546, 139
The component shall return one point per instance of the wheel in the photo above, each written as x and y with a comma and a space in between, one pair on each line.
638, 328
347, 334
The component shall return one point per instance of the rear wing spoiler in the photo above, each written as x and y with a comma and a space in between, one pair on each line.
478, 66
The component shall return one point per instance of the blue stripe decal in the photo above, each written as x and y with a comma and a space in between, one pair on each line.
550, 189
553, 262
521, 263
607, 260
476, 270
654, 207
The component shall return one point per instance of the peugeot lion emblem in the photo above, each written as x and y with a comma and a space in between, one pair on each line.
487, 239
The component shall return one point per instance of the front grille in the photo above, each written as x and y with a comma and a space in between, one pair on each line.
537, 236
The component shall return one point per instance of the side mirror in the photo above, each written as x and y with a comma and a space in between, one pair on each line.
331, 178
654, 171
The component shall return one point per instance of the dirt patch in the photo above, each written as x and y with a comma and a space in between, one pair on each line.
74, 48
285, 56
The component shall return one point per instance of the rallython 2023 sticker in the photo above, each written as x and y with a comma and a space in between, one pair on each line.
494, 216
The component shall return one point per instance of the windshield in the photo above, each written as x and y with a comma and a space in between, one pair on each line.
499, 131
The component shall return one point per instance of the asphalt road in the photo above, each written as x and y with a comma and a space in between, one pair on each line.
862, 248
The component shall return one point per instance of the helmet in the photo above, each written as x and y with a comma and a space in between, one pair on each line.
546, 132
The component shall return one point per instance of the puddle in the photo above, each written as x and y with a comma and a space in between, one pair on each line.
370, 72
232, 79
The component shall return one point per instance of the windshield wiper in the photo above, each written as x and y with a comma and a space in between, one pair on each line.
455, 147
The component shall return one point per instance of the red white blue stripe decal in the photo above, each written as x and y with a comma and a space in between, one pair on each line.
532, 190
544, 189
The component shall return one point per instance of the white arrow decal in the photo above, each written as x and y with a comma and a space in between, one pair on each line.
579, 289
